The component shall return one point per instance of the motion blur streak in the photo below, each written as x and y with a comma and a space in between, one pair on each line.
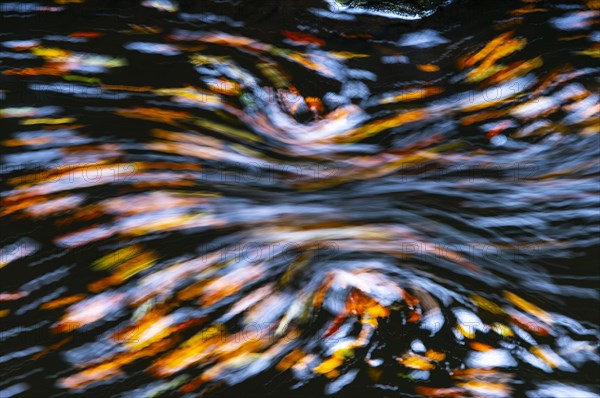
240, 198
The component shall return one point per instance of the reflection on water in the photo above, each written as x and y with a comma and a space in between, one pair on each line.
242, 199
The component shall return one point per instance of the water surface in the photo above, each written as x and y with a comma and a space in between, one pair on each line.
250, 198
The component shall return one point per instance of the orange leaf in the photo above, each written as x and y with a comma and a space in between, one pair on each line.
303, 38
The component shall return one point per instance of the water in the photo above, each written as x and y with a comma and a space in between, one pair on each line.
285, 199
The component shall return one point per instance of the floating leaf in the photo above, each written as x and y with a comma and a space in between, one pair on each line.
528, 307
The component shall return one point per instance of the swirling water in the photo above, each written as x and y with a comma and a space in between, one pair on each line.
244, 198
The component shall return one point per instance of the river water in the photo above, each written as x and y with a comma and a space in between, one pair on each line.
255, 198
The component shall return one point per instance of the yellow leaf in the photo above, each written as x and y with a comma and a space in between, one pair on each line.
485, 388
428, 68
329, 365
61, 120
545, 355
381, 125
502, 330
528, 307
415, 362
468, 332
486, 304
435, 356
412, 95
348, 55
487, 50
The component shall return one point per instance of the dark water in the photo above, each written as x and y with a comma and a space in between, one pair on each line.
252, 198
